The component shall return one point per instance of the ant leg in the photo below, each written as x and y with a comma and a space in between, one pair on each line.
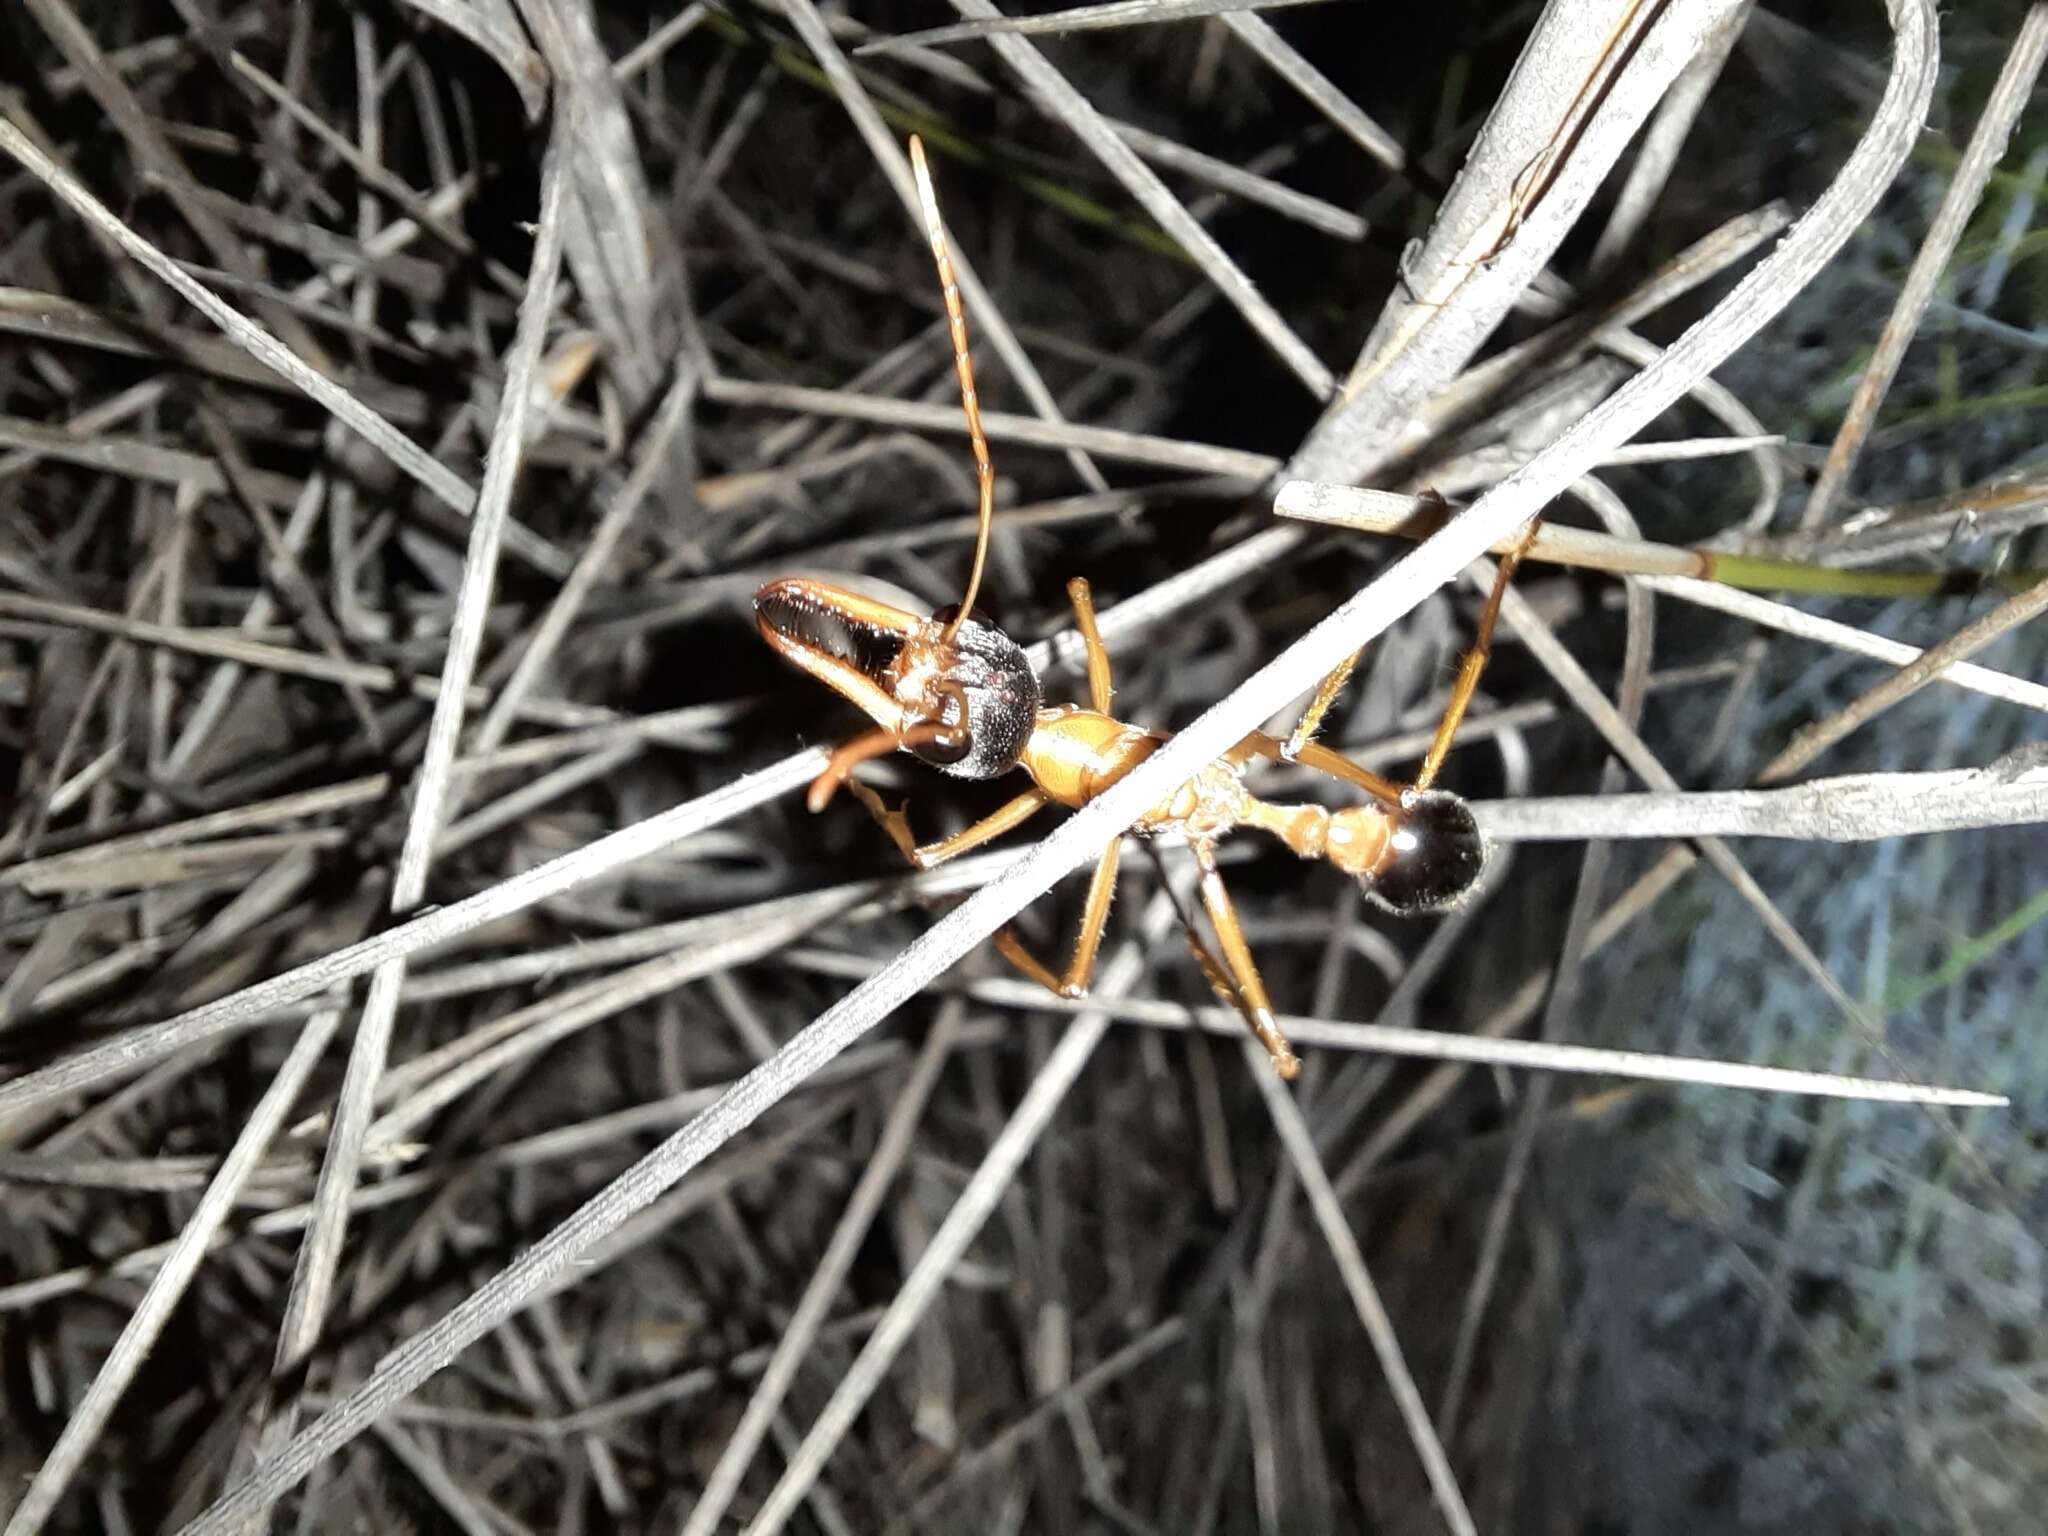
1012, 813
1095, 916
880, 742
1080, 970
845, 758
1311, 720
1249, 986
1083, 599
1475, 659
1324, 760
896, 823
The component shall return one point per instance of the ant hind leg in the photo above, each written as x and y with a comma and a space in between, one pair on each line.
1474, 662
1242, 986
1311, 721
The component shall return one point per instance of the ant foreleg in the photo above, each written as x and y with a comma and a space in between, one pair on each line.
880, 742
845, 758
1012, 813
896, 823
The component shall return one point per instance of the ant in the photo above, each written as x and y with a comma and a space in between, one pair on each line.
958, 693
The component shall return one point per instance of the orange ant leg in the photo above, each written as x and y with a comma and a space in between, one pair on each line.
881, 741
1299, 743
846, 757
1012, 813
1227, 991
1244, 978
1324, 760
896, 823
1475, 659
1311, 721
1212, 969
1083, 599
1080, 972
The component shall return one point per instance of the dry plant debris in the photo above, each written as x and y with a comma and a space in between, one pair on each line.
447, 1081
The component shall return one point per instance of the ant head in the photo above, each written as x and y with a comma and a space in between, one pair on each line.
953, 689
1434, 856
976, 677
958, 693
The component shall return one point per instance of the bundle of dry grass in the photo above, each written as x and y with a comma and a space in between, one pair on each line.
442, 1084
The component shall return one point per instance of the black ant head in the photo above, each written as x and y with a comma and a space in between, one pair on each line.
1434, 856
980, 673
975, 685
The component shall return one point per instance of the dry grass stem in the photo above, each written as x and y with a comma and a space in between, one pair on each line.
381, 661
2008, 99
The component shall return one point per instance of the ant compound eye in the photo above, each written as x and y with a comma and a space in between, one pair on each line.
947, 747
977, 618
1434, 857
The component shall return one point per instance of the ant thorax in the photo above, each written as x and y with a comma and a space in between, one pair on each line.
1204, 808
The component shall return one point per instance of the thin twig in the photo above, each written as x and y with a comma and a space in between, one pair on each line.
2002, 109
1487, 1045
312, 1283
255, 1004
1069, 107
1851, 809
976, 1201
1846, 637
1078, 18
1343, 1244
1812, 740
798, 1335
1134, 447
444, 483
167, 1286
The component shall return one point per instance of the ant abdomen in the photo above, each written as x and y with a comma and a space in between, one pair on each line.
1435, 856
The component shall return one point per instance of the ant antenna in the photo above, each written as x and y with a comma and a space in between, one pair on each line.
970, 402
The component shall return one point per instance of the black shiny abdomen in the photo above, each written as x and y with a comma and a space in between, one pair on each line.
1436, 857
